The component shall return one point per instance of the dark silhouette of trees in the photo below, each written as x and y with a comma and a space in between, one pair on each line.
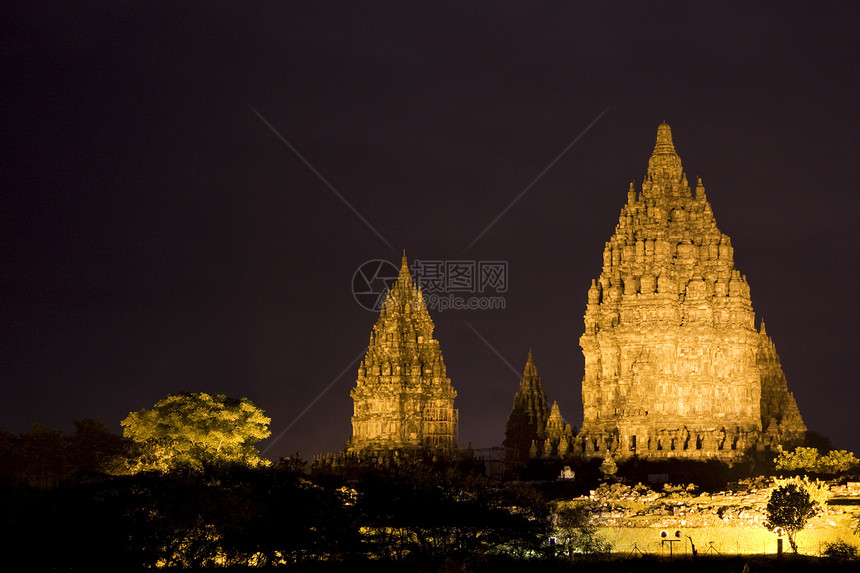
818, 441
93, 449
46, 458
576, 535
286, 518
222, 515
66, 511
427, 514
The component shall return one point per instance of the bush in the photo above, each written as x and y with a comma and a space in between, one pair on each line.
839, 550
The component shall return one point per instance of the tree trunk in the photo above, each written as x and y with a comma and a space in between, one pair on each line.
792, 542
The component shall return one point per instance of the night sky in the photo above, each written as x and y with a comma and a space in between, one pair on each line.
188, 190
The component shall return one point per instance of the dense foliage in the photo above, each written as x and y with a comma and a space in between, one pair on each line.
810, 460
437, 513
46, 458
194, 430
839, 550
412, 514
213, 502
575, 534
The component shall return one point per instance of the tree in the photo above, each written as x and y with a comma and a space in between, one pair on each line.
840, 550
577, 535
818, 441
289, 519
93, 448
803, 459
44, 457
838, 461
195, 430
810, 460
430, 514
790, 506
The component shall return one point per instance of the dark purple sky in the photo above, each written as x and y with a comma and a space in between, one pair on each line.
158, 236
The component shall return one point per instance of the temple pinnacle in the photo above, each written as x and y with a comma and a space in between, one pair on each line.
664, 139
664, 162
530, 370
404, 277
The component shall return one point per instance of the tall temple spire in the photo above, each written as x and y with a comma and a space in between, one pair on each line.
527, 420
668, 316
533, 429
402, 397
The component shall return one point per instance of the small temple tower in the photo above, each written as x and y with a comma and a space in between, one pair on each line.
674, 365
533, 429
403, 399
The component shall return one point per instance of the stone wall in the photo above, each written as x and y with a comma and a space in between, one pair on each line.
624, 506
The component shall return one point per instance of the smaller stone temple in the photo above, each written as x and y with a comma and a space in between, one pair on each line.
533, 429
403, 399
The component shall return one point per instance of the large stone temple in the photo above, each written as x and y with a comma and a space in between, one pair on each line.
534, 429
674, 364
403, 399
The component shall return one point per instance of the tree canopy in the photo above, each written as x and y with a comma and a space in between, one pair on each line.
194, 430
576, 535
46, 458
810, 460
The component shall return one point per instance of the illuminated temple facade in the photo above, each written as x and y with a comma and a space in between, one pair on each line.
674, 364
403, 399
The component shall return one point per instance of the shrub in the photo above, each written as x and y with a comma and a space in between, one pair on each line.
839, 550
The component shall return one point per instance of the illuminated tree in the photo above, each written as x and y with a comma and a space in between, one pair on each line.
810, 460
838, 461
804, 459
194, 430
790, 506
